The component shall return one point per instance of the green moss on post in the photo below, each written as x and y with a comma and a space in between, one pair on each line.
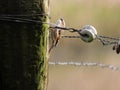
23, 47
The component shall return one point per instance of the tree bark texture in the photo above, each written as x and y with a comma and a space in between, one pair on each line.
23, 46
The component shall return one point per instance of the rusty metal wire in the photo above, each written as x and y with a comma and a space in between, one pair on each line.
105, 40
23, 15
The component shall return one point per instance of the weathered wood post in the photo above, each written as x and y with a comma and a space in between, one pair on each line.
23, 46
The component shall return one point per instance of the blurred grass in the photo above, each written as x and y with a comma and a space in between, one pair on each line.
104, 15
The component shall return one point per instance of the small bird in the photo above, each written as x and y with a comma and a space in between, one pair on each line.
56, 33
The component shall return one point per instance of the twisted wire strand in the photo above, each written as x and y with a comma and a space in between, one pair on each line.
70, 36
87, 64
17, 19
105, 40
111, 40
22, 15
65, 28
106, 37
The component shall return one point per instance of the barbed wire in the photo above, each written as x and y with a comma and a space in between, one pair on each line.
20, 20
105, 40
23, 15
87, 64
15, 18
111, 40
52, 25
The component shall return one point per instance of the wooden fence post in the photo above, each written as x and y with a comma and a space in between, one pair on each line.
23, 46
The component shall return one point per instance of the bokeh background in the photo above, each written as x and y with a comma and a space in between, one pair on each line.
104, 15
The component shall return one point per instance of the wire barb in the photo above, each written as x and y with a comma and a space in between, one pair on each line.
87, 33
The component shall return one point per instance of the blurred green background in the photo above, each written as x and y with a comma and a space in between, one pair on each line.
104, 15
